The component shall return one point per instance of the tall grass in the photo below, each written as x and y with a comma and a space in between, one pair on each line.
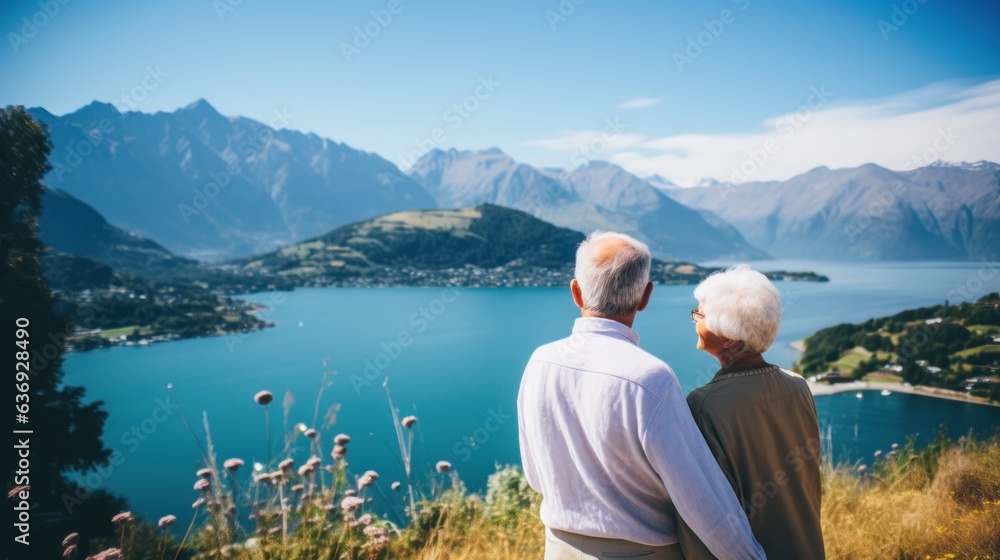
939, 502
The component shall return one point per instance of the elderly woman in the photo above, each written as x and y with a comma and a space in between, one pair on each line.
759, 420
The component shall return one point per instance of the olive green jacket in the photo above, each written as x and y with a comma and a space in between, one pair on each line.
762, 427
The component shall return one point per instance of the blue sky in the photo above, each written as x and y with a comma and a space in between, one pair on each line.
567, 82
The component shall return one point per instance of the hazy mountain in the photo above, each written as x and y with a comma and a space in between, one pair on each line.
68, 225
213, 187
597, 196
661, 182
941, 211
85, 251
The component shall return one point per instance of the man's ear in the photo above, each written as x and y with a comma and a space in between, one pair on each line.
645, 297
574, 287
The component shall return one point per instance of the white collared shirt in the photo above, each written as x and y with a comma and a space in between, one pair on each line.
608, 440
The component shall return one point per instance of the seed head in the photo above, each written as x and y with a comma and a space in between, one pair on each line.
109, 554
351, 503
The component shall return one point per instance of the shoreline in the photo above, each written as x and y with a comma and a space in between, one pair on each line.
822, 389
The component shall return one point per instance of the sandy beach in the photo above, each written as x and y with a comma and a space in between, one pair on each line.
820, 389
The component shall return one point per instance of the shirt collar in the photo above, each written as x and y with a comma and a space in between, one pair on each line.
606, 327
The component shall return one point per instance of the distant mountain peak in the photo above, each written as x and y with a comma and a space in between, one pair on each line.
966, 166
707, 182
200, 104
660, 182
96, 110
202, 109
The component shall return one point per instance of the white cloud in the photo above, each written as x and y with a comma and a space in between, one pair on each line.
948, 121
640, 103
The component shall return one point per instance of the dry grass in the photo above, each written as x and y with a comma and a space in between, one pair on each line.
945, 503
936, 503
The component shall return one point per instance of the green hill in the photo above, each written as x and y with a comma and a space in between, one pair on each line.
480, 245
950, 346
484, 236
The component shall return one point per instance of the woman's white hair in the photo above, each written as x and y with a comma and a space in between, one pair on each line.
741, 304
614, 286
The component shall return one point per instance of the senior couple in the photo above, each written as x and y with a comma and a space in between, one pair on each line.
629, 468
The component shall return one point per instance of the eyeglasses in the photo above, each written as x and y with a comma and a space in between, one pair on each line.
696, 315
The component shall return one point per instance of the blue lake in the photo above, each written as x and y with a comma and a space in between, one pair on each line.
454, 358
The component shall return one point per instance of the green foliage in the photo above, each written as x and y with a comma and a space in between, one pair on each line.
67, 432
452, 513
945, 342
508, 497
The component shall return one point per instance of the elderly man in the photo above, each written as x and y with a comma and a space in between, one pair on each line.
759, 420
606, 435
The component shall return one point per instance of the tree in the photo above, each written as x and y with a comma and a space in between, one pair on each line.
66, 433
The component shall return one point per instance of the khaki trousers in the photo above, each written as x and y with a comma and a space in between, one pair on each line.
561, 545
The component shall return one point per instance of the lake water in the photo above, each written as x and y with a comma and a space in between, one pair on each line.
454, 358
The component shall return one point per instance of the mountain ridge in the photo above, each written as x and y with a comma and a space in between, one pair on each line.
869, 212
213, 187
599, 195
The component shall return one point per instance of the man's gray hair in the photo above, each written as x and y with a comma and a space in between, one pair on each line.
615, 286
741, 304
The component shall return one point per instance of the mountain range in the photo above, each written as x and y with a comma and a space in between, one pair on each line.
206, 187
941, 211
211, 187
598, 195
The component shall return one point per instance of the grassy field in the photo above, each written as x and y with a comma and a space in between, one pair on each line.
939, 502
983, 329
127, 330
978, 350
850, 360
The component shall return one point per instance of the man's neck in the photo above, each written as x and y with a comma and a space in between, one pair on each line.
626, 320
